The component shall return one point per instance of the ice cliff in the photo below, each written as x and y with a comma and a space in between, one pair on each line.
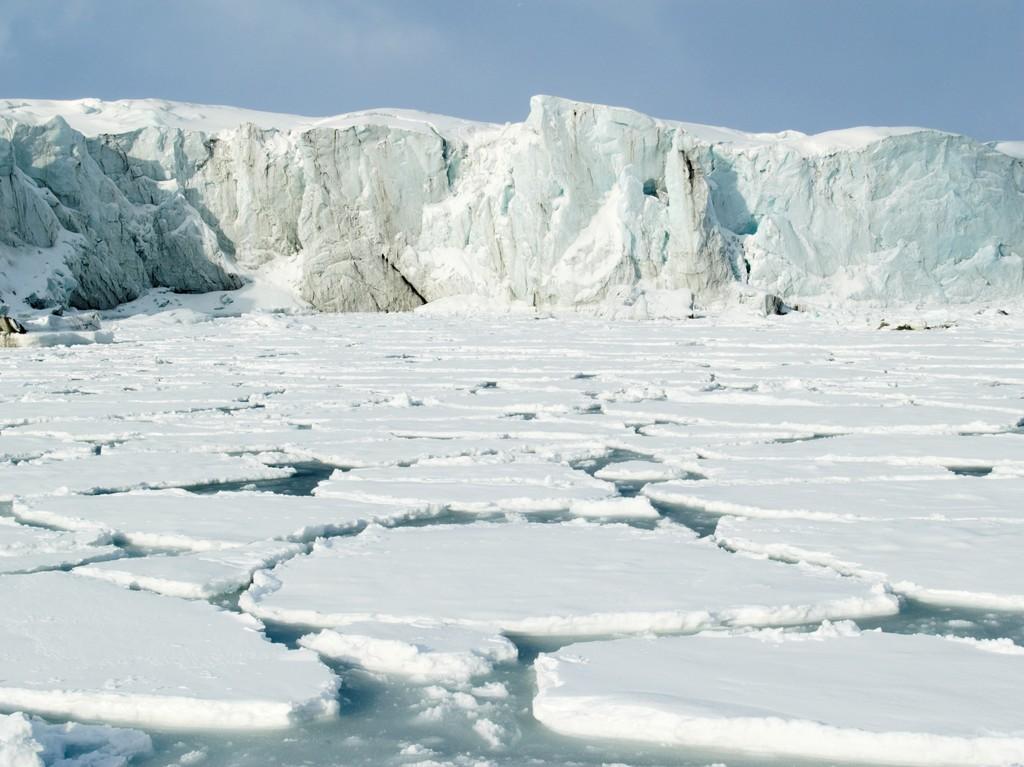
581, 206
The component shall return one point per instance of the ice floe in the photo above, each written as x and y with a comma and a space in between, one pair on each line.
960, 563
944, 497
569, 579
79, 648
25, 549
199, 575
113, 471
836, 694
475, 487
176, 519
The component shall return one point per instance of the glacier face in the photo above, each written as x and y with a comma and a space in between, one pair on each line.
584, 207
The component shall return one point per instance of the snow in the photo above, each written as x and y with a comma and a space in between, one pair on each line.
954, 563
570, 579
451, 655
1014, 149
140, 659
93, 117
26, 742
837, 694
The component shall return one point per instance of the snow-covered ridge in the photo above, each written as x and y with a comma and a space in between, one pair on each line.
582, 207
94, 117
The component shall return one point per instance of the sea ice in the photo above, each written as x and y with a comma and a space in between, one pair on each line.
448, 654
959, 563
615, 508
116, 470
26, 549
176, 519
199, 575
26, 742
639, 471
945, 497
836, 694
980, 451
475, 487
77, 647
570, 579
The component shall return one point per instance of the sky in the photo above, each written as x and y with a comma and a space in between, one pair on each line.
762, 65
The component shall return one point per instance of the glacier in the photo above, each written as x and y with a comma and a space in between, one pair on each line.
580, 207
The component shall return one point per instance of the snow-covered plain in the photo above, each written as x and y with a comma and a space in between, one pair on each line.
348, 539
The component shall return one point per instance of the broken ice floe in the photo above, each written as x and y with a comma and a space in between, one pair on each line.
448, 654
31, 742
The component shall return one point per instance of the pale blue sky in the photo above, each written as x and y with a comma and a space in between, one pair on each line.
754, 64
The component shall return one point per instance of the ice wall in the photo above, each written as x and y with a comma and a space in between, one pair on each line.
580, 206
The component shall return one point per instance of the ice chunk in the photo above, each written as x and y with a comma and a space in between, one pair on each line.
960, 563
28, 742
639, 471
77, 647
425, 652
175, 519
837, 694
571, 579
615, 508
30, 549
201, 575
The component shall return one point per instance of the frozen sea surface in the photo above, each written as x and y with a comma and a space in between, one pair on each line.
418, 508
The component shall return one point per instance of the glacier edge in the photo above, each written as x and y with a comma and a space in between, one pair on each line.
579, 207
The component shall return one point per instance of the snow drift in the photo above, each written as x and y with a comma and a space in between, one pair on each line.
582, 207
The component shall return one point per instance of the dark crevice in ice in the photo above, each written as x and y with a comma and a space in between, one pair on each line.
700, 521
593, 465
522, 416
970, 471
308, 474
807, 438
917, 617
